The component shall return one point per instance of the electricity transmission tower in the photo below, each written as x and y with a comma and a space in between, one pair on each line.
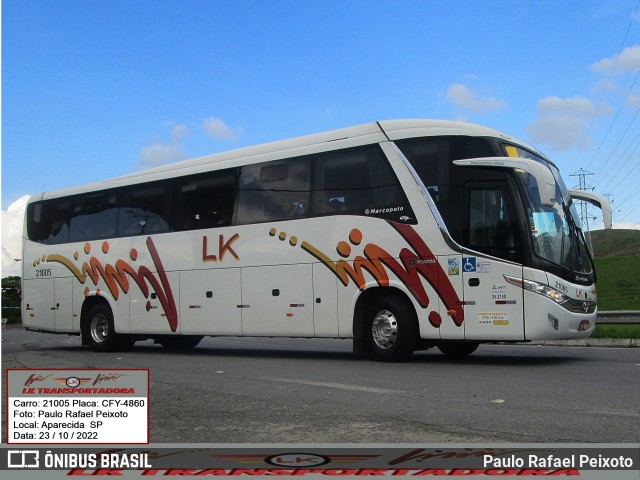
584, 215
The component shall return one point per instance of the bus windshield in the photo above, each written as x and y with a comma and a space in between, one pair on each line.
554, 225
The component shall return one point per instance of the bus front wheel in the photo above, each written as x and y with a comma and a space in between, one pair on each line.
391, 329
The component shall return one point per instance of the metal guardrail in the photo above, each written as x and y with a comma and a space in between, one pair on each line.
618, 317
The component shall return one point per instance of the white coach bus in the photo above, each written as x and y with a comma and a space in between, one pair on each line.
402, 235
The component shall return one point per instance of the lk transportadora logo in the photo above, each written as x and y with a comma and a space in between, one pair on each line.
297, 460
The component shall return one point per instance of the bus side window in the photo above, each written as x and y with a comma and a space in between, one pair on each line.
95, 217
491, 228
48, 221
205, 200
345, 183
273, 191
142, 210
354, 182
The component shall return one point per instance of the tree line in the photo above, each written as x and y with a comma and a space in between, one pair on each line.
11, 297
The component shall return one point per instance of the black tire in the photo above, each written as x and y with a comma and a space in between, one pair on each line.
125, 342
98, 329
391, 329
180, 342
458, 349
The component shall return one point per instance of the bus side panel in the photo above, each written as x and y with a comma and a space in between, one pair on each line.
77, 293
63, 304
325, 302
155, 314
277, 300
38, 300
209, 301
347, 298
450, 272
48, 304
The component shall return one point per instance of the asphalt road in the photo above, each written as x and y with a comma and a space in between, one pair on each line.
248, 390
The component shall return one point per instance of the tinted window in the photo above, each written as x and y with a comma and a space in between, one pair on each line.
94, 217
143, 210
273, 191
48, 222
205, 200
358, 182
491, 226
431, 158
355, 182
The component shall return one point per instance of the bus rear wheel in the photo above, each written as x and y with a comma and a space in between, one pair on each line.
98, 328
458, 349
180, 342
391, 329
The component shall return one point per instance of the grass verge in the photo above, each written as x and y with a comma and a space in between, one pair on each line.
616, 331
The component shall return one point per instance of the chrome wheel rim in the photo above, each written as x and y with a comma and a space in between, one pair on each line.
384, 329
99, 328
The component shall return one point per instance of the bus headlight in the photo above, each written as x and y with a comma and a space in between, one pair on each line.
537, 287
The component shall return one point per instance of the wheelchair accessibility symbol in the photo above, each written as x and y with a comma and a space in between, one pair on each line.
469, 264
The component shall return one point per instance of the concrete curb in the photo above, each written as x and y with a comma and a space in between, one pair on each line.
592, 342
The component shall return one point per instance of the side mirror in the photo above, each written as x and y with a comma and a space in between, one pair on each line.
597, 200
544, 177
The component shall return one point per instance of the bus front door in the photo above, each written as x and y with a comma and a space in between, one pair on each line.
493, 307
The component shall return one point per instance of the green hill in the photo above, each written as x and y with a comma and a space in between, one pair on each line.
618, 282
615, 243
617, 259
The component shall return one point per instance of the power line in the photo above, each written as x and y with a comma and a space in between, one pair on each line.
606, 88
614, 121
10, 254
621, 169
623, 133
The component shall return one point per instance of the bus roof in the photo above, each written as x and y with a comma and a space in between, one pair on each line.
365, 134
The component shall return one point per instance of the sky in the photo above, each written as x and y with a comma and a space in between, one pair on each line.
93, 89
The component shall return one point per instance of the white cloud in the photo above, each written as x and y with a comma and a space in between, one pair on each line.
178, 132
464, 97
627, 61
579, 106
605, 85
12, 223
216, 128
561, 122
633, 101
164, 152
161, 153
